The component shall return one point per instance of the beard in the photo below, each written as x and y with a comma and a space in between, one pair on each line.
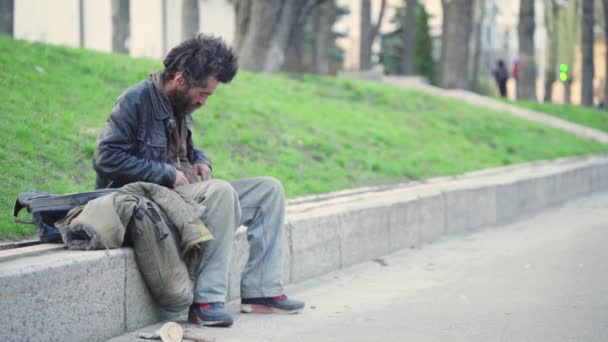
180, 102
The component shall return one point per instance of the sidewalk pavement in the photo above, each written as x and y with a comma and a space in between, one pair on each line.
103, 290
540, 279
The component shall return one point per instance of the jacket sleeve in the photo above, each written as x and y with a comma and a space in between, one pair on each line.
198, 156
116, 154
195, 155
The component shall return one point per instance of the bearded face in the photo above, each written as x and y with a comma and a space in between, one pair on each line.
181, 101
186, 99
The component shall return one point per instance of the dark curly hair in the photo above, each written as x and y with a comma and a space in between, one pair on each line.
199, 58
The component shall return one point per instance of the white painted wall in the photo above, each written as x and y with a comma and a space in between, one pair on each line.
217, 17
57, 22
54, 22
146, 28
98, 25
174, 25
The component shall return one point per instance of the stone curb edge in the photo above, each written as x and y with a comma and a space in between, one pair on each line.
96, 295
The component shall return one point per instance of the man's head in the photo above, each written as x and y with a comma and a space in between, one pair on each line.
194, 69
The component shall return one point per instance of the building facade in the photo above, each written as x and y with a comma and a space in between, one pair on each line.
154, 25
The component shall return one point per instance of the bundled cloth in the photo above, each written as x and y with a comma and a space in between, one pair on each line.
164, 227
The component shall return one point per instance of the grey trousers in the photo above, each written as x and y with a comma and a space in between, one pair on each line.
257, 203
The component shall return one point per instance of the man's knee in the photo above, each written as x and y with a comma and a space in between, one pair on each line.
221, 197
273, 186
220, 188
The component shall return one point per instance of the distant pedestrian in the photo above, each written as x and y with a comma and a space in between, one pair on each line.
501, 75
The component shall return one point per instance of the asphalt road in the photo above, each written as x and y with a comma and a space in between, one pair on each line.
544, 278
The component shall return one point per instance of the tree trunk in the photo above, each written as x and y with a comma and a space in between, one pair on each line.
369, 32
365, 50
606, 54
120, 26
587, 53
323, 38
527, 65
265, 29
551, 22
295, 51
475, 43
263, 25
312, 19
7, 15
304, 52
81, 24
409, 32
443, 52
548, 94
287, 16
190, 19
568, 92
455, 44
242, 10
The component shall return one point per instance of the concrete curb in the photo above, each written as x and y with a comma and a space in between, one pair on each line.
93, 296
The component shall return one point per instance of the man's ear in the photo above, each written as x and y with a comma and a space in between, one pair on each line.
179, 79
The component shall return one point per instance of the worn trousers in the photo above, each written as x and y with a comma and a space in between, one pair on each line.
257, 203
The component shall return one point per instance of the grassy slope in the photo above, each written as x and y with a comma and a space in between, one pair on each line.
590, 117
315, 134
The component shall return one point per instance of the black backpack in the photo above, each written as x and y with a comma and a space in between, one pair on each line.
47, 208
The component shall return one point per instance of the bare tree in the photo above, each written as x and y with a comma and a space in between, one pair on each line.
369, 32
288, 16
605, 2
587, 40
475, 41
81, 25
7, 14
265, 21
242, 10
300, 52
569, 39
323, 39
296, 51
527, 65
457, 23
409, 32
551, 22
120, 26
190, 19
265, 28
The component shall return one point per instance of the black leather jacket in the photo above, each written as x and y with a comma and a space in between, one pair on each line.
133, 145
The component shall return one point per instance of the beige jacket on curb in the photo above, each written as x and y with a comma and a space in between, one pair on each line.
167, 242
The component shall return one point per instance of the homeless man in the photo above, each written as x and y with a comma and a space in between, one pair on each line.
147, 138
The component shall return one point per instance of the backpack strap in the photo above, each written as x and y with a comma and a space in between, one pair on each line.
36, 201
16, 209
24, 200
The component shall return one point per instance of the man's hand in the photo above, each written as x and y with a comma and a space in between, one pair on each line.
203, 170
180, 179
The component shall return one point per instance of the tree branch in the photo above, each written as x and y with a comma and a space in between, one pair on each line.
308, 7
375, 28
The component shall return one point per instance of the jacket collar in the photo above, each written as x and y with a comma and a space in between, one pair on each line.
160, 110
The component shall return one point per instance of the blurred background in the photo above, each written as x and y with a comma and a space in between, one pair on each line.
554, 50
333, 94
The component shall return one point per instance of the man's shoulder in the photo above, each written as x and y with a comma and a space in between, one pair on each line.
136, 93
130, 102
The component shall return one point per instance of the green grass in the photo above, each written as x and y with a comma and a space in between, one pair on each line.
590, 117
316, 134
